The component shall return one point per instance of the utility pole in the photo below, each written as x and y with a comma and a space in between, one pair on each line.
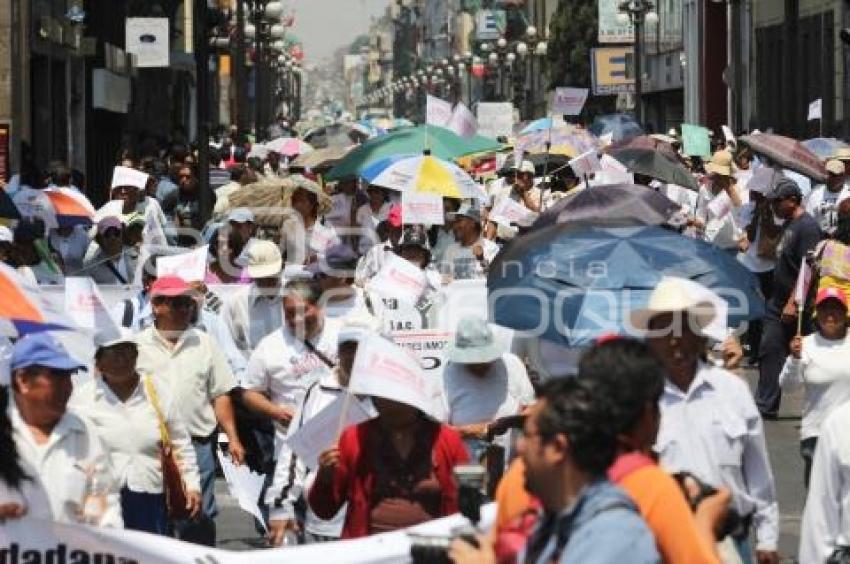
202, 108
239, 69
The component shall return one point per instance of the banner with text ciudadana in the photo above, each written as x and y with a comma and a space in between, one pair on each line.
37, 541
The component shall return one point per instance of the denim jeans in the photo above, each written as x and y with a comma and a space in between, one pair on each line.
202, 530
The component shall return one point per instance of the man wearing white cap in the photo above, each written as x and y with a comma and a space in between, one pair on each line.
471, 254
254, 310
107, 261
710, 425
522, 190
822, 202
292, 479
128, 185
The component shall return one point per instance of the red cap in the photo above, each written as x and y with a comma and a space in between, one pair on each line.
394, 217
607, 338
170, 286
831, 293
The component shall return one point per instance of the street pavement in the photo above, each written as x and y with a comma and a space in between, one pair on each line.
236, 528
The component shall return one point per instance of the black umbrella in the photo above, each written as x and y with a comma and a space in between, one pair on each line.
8, 209
615, 204
653, 163
539, 160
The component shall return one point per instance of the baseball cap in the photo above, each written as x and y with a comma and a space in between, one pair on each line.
42, 349
112, 336
170, 287
109, 223
261, 259
831, 293
467, 210
525, 166
834, 166
241, 215
785, 188
414, 238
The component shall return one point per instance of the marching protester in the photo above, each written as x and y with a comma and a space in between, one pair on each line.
393, 471
710, 425
471, 254
305, 237
822, 203
335, 274
196, 372
133, 415
292, 477
107, 260
820, 363
52, 441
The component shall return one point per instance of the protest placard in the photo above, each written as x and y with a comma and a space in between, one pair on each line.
385, 370
399, 279
428, 346
495, 119
85, 305
568, 101
320, 432
191, 266
437, 111
695, 140
585, 164
463, 121
425, 209
509, 213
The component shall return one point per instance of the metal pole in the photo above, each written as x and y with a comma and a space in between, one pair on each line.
239, 67
202, 107
638, 23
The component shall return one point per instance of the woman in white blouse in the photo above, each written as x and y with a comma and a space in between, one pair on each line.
820, 362
118, 404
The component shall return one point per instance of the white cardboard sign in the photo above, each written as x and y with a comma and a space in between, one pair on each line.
509, 213
147, 38
191, 266
569, 101
422, 208
399, 279
586, 163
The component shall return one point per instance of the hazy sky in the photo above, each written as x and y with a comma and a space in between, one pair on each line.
325, 25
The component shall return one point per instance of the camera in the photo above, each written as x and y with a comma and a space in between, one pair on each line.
470, 484
734, 524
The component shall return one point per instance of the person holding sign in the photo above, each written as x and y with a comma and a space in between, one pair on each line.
126, 414
291, 475
717, 204
523, 190
471, 254
394, 471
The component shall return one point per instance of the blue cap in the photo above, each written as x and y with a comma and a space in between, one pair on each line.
42, 349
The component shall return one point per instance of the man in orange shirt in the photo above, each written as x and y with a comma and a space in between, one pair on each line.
634, 380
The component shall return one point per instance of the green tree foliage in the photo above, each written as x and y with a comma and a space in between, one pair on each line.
573, 32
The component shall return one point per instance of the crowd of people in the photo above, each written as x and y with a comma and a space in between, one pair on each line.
647, 449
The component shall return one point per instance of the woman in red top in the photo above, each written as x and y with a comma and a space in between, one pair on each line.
395, 471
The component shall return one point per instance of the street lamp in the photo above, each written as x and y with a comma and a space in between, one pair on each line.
637, 12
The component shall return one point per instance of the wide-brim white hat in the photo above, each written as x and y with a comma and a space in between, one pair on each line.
475, 343
673, 295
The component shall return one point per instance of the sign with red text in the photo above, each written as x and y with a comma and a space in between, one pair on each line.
569, 101
424, 209
399, 279
586, 163
510, 213
429, 347
191, 266
385, 370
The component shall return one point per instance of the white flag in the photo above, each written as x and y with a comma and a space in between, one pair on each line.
801, 288
463, 121
816, 109
437, 111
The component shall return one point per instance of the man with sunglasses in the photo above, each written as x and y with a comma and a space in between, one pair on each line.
192, 364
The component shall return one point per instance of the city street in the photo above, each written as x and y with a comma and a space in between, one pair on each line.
236, 528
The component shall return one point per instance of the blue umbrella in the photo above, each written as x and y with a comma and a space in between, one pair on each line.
541, 124
571, 285
620, 126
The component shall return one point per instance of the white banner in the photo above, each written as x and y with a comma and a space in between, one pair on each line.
495, 119
428, 346
816, 109
147, 38
426, 209
399, 279
37, 540
437, 111
586, 163
568, 101
463, 121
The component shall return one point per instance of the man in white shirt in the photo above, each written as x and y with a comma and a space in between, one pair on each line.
822, 202
191, 363
482, 383
292, 478
826, 517
289, 359
471, 254
58, 449
254, 310
717, 203
710, 425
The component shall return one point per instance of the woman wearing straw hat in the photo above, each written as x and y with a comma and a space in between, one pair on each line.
305, 237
